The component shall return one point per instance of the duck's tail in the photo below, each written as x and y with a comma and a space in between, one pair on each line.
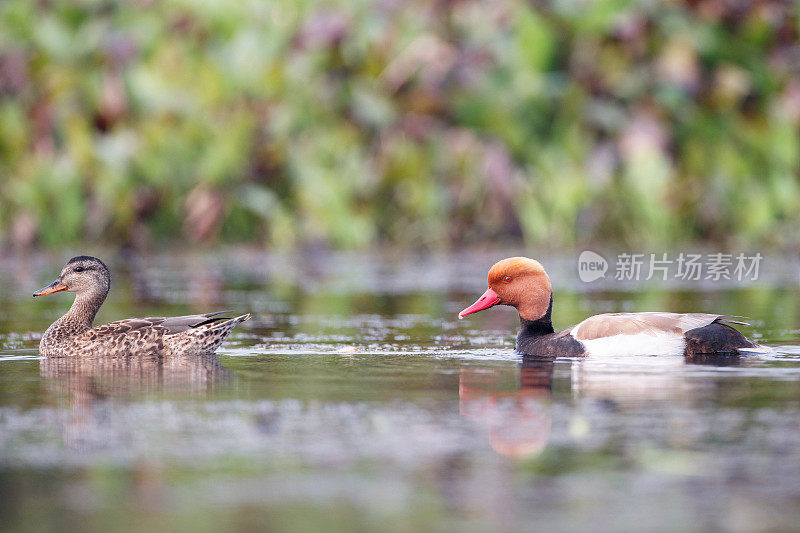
204, 338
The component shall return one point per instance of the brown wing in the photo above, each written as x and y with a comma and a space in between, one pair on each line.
166, 325
610, 324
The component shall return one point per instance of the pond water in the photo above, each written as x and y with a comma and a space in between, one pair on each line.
355, 399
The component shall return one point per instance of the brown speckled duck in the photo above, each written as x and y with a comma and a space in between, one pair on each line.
73, 334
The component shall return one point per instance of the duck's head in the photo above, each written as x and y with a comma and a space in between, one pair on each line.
519, 282
81, 275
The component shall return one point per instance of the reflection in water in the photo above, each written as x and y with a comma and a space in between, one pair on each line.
99, 377
714, 359
517, 417
631, 380
84, 382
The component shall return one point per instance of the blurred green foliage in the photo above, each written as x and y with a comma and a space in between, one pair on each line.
432, 123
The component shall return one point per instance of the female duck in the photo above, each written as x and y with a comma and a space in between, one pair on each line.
73, 334
522, 283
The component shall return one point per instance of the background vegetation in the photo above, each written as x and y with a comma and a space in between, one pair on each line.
438, 123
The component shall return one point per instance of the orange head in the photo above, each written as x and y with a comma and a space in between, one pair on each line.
519, 282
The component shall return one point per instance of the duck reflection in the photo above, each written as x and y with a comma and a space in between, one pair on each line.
99, 377
634, 380
88, 384
515, 415
515, 411
714, 359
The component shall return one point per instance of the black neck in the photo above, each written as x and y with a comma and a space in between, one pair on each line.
538, 327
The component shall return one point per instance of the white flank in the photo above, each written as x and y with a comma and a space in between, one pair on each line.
638, 344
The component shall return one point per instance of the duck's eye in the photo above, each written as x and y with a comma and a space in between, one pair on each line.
79, 269
507, 279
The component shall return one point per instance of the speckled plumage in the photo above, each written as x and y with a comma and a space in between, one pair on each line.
73, 334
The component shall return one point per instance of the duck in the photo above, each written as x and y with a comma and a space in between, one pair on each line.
74, 335
522, 283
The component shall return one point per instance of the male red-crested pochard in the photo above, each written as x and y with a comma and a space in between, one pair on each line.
522, 283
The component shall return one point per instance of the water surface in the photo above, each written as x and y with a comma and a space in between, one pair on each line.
355, 399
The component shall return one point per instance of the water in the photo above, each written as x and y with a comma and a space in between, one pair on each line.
355, 399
